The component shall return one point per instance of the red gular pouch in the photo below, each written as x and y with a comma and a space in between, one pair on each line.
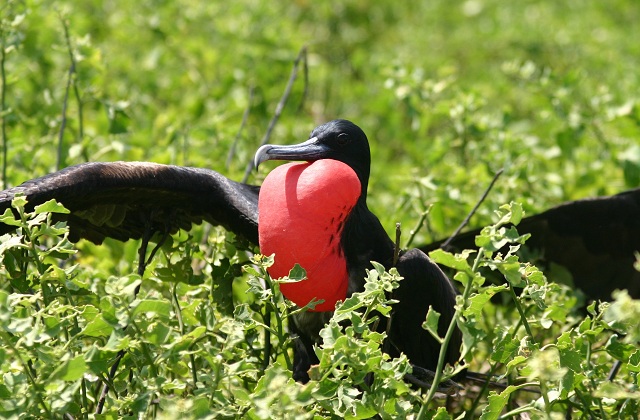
302, 209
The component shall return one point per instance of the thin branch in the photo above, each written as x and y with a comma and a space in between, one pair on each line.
105, 386
415, 230
3, 107
245, 117
70, 83
614, 370
305, 69
74, 81
465, 222
283, 100
267, 339
142, 266
449, 334
396, 250
63, 122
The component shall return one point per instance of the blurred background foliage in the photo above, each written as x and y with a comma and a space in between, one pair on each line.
447, 91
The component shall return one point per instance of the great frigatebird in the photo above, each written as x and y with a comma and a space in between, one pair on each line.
316, 214
127, 200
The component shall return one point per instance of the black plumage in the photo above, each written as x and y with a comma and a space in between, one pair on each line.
123, 199
364, 240
594, 239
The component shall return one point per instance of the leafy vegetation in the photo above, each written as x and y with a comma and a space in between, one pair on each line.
448, 92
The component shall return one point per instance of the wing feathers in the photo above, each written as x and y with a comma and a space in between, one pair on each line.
116, 199
595, 239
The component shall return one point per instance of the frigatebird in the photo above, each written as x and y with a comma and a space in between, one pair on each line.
590, 243
126, 200
316, 214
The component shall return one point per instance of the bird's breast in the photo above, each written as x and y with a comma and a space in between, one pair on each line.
302, 209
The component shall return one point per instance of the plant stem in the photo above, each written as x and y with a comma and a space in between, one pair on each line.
523, 316
452, 327
7, 339
71, 83
3, 108
446, 243
267, 338
416, 229
279, 318
176, 305
519, 410
280, 107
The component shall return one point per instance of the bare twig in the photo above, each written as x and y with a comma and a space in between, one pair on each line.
3, 107
473, 211
63, 122
71, 83
305, 68
283, 100
267, 339
245, 117
415, 230
143, 261
396, 251
105, 387
614, 370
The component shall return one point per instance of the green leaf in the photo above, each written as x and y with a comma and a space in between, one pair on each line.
572, 359
505, 347
5, 393
19, 201
431, 323
634, 362
11, 242
510, 213
117, 342
497, 403
297, 273
476, 303
160, 308
9, 219
457, 262
51, 206
222, 286
157, 333
616, 391
98, 361
71, 370
97, 327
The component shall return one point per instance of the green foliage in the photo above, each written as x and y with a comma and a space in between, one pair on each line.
181, 352
448, 92
565, 355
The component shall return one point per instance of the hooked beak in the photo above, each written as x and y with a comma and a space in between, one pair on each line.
309, 150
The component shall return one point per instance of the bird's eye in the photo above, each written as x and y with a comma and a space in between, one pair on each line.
343, 138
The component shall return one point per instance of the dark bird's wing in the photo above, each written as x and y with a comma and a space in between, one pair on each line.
594, 239
424, 285
122, 200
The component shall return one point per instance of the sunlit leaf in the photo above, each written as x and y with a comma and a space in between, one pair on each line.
50, 206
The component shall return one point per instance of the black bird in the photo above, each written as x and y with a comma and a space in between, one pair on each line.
127, 200
316, 214
589, 243
131, 200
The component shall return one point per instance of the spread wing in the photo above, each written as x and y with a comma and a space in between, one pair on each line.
122, 199
594, 239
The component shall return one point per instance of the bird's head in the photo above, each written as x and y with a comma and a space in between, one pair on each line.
340, 140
